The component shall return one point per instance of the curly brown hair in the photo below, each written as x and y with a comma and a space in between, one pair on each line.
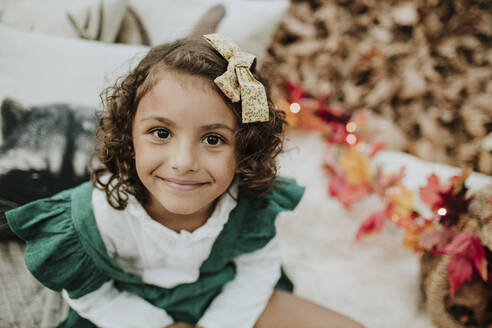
257, 144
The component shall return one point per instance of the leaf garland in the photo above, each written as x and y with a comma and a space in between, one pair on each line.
347, 161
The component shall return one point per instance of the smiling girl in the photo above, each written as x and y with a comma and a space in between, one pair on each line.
177, 228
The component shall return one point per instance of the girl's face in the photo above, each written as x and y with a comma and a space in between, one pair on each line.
183, 137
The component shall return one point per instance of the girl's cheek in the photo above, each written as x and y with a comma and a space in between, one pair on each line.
225, 158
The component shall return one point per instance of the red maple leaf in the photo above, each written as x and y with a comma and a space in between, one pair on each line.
468, 252
332, 114
296, 93
373, 223
430, 194
459, 271
338, 133
345, 193
476, 253
460, 243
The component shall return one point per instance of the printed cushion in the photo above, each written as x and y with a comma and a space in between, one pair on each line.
248, 22
89, 19
38, 69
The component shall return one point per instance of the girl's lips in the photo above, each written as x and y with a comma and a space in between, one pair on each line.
182, 185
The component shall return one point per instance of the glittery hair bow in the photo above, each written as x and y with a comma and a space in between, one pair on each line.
238, 83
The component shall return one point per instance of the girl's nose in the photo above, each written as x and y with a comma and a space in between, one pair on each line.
184, 157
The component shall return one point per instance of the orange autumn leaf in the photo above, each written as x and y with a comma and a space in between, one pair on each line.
356, 167
414, 232
403, 202
411, 240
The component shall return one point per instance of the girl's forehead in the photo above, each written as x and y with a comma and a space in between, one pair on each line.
186, 98
189, 82
169, 75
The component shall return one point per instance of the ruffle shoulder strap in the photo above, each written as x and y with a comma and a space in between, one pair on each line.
54, 254
259, 214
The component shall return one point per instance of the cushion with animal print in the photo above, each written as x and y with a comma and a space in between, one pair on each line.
45, 149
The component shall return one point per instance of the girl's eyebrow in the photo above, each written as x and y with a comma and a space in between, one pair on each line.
172, 124
217, 126
160, 119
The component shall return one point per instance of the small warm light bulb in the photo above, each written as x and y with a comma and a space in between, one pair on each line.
351, 139
295, 108
442, 211
351, 127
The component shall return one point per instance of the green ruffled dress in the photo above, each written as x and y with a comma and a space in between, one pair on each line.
65, 250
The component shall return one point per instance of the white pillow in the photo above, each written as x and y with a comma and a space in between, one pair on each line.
37, 69
250, 23
52, 16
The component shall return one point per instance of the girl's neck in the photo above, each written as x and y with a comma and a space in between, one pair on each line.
178, 222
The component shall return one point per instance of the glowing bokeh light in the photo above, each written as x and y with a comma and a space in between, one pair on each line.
295, 108
351, 127
442, 211
351, 139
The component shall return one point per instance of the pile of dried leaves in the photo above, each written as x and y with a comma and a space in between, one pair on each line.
425, 65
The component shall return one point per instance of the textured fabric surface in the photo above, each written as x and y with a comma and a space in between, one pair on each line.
23, 301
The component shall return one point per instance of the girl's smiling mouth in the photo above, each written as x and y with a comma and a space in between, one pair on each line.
182, 185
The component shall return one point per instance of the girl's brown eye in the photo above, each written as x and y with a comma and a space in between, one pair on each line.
161, 133
213, 140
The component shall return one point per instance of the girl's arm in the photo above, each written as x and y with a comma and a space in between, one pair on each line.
110, 307
243, 299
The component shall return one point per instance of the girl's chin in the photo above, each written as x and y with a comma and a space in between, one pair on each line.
183, 208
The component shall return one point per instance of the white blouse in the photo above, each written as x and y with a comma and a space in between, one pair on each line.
165, 258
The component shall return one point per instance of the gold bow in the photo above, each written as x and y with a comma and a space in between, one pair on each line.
238, 82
